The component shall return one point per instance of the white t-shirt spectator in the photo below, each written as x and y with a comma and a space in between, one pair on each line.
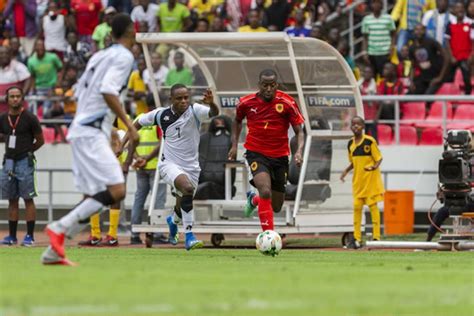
159, 76
150, 16
12, 75
55, 33
436, 23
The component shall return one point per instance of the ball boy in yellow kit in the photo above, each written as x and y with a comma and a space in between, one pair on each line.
367, 187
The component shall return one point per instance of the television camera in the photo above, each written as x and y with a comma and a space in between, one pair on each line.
455, 171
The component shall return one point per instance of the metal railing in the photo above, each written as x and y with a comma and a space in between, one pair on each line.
398, 99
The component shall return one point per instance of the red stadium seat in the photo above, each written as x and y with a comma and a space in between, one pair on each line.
384, 134
413, 111
408, 135
449, 89
48, 134
464, 112
435, 115
432, 136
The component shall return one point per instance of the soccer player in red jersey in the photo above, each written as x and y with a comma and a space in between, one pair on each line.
269, 113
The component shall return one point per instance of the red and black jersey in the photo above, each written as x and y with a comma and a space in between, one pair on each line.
268, 123
460, 38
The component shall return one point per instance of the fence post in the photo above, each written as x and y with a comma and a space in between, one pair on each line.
445, 117
397, 122
351, 33
50, 196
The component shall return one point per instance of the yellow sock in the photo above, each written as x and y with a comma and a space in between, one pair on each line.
358, 221
95, 225
375, 215
114, 221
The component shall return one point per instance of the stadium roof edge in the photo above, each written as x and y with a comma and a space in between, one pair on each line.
216, 37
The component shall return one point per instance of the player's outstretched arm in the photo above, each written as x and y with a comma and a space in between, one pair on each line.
208, 98
236, 129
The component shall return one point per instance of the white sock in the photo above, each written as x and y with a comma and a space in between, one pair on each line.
82, 211
76, 228
188, 220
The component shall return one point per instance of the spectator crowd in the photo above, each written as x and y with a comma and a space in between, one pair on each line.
413, 48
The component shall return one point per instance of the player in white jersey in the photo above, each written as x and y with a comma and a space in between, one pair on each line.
97, 172
179, 163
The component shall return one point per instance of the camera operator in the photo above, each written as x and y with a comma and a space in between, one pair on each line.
444, 212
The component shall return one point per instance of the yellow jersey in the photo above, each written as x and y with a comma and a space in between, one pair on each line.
137, 84
248, 29
366, 153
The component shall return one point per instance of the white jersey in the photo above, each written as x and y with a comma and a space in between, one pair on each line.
106, 72
180, 133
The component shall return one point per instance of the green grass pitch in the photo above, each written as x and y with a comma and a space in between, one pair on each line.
138, 281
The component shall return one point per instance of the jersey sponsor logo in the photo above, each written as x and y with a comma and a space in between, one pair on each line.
166, 118
279, 107
331, 101
253, 110
254, 166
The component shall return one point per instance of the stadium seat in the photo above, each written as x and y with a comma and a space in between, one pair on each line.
449, 89
412, 111
464, 112
48, 134
40, 113
435, 115
408, 135
385, 135
432, 136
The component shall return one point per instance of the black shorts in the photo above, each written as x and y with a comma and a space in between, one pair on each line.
277, 168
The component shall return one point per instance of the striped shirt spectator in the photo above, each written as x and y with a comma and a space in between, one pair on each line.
378, 30
379, 37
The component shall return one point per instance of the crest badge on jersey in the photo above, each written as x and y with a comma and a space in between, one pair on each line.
254, 166
366, 148
279, 107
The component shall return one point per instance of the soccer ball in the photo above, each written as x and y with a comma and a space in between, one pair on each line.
268, 243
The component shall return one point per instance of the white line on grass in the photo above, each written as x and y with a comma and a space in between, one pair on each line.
252, 304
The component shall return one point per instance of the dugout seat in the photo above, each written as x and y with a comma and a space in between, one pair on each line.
213, 148
318, 170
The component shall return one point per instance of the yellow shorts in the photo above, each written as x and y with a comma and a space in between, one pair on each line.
368, 200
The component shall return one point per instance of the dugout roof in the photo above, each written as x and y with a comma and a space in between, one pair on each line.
310, 70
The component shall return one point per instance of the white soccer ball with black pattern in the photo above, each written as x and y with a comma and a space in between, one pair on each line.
268, 243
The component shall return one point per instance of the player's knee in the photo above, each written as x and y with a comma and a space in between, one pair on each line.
265, 193
111, 196
187, 189
187, 203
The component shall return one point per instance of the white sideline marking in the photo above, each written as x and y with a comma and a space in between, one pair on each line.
252, 304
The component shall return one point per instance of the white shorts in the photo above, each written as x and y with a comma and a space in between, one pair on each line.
94, 164
170, 171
